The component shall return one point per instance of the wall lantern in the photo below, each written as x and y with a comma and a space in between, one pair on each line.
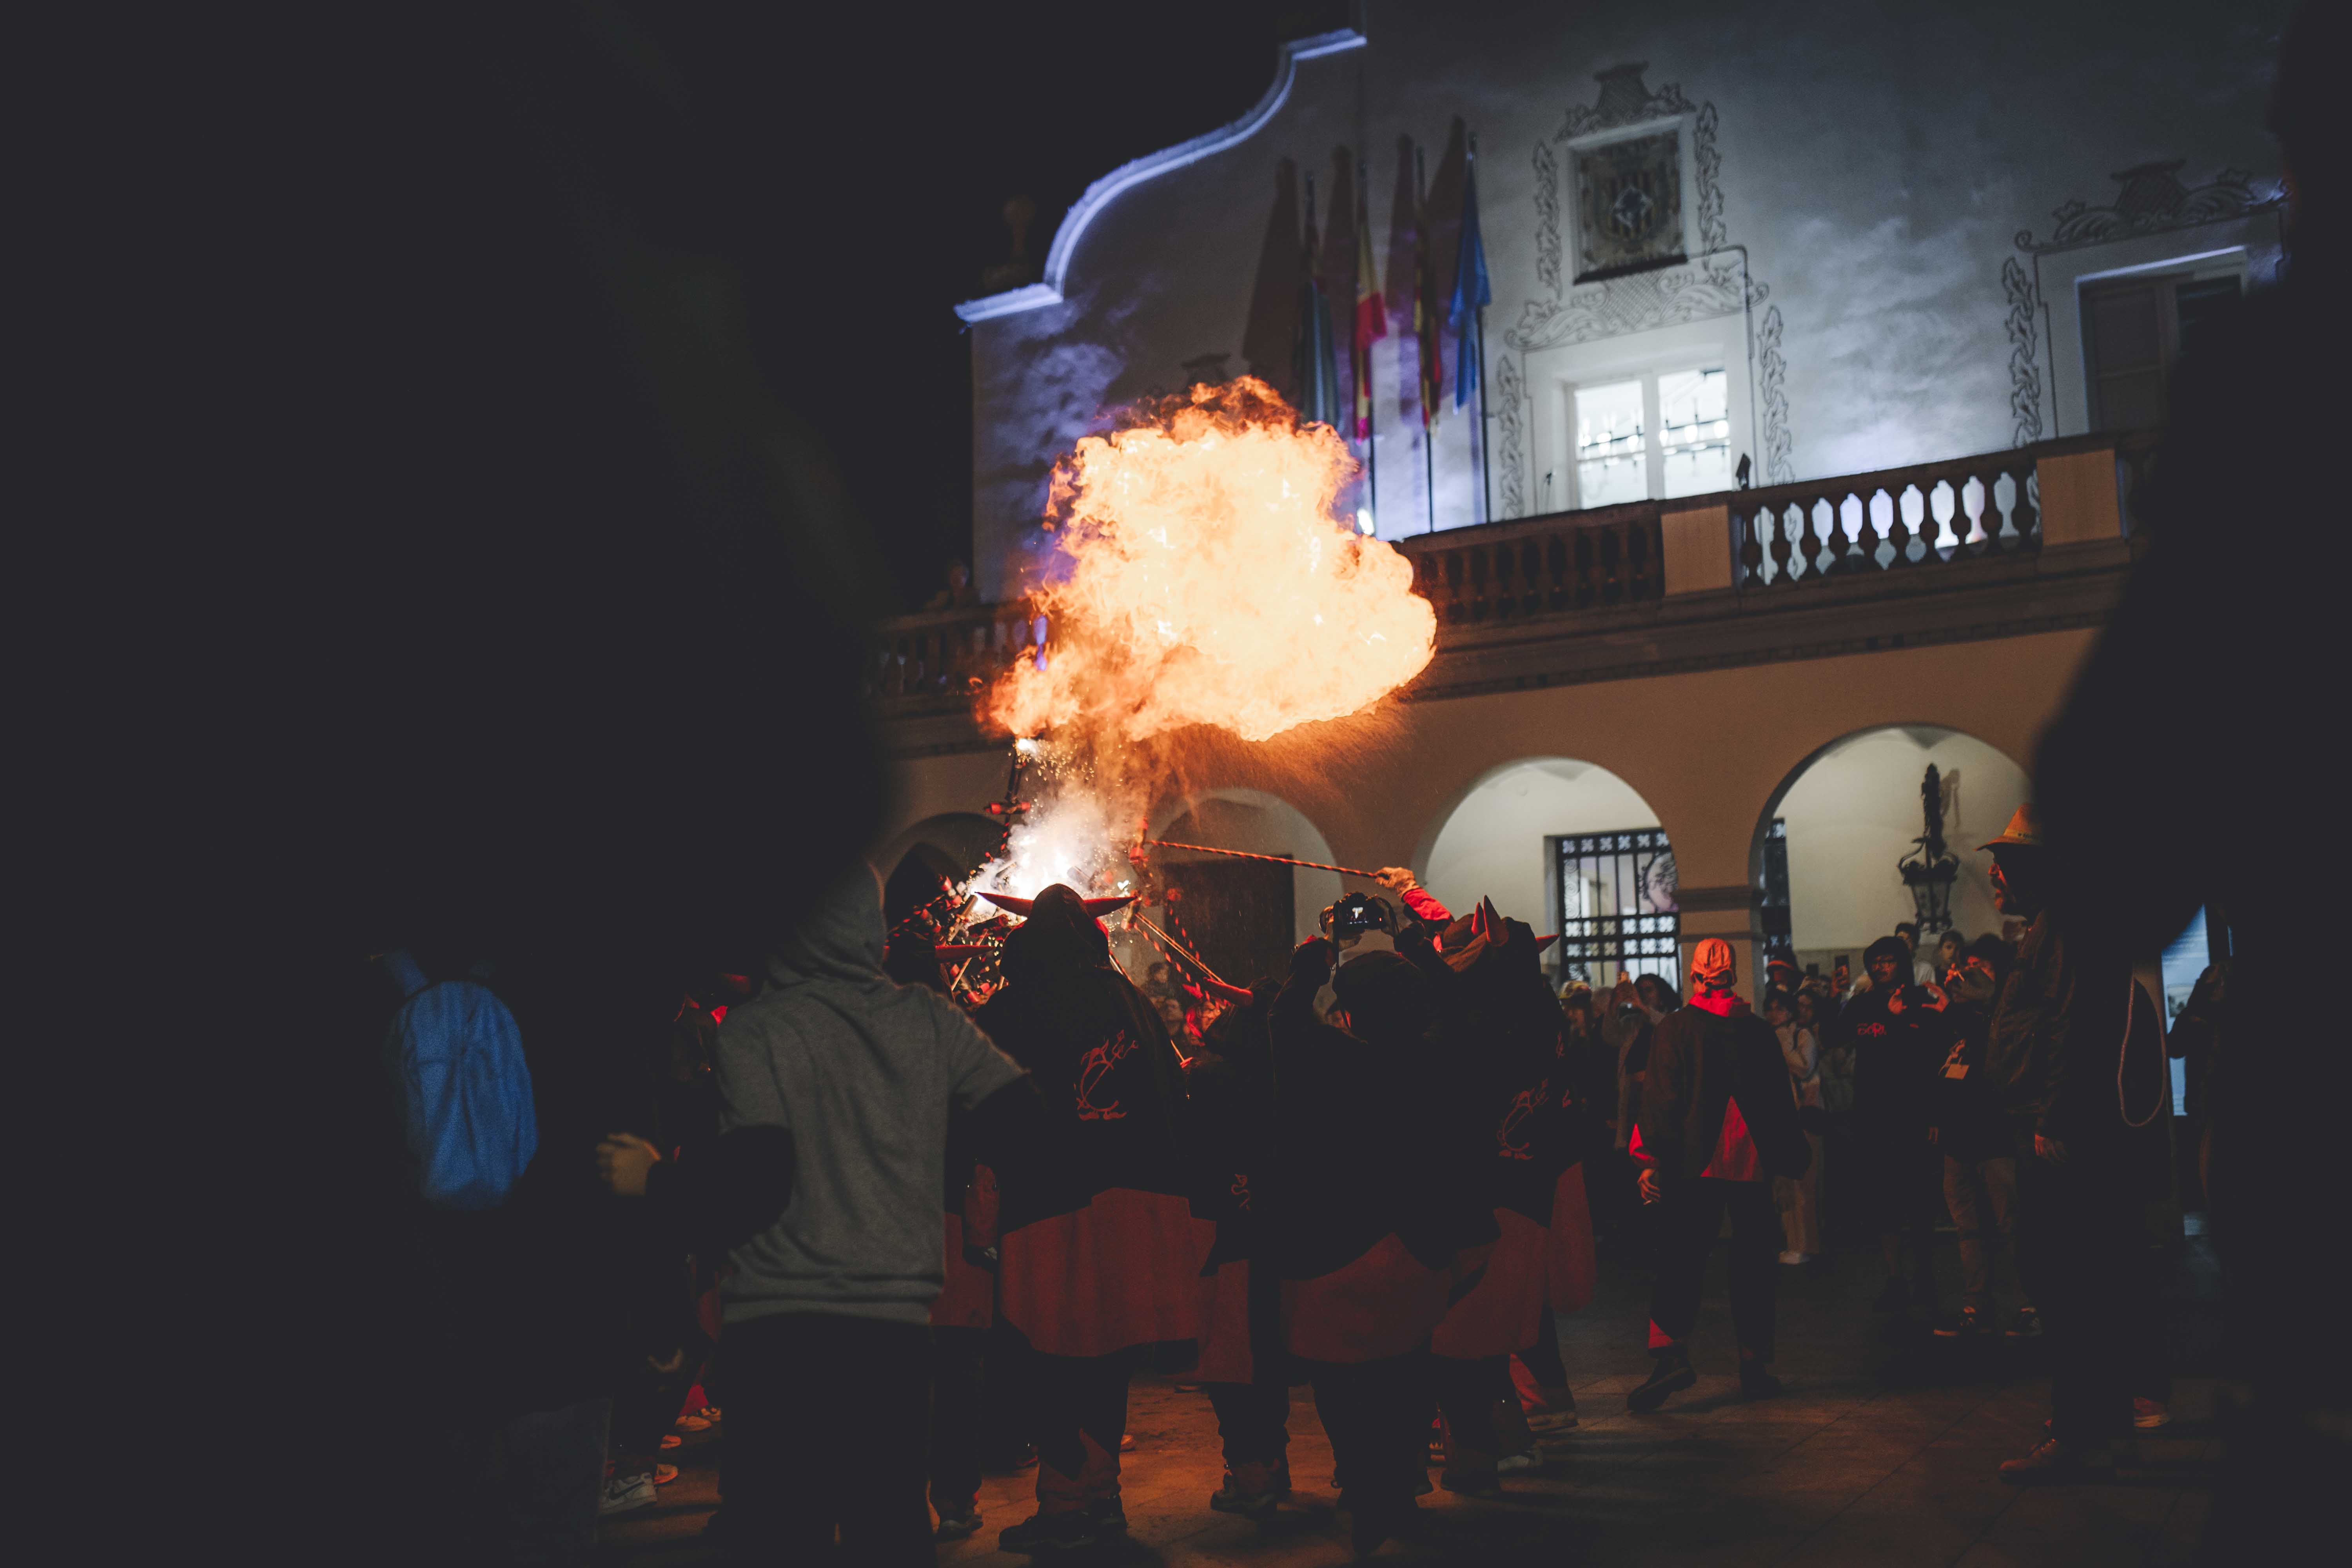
1930, 871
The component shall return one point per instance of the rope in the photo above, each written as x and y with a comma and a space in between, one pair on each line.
1277, 860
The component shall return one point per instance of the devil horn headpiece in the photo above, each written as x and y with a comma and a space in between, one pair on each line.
1097, 908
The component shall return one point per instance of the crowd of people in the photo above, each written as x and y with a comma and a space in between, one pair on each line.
849, 1194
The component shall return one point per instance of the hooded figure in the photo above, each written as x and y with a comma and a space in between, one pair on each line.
828, 1308
1099, 1255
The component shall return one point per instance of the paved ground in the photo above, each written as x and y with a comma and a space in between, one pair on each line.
1883, 1453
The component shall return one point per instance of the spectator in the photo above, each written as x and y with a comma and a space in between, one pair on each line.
1951, 951
1922, 967
2055, 1026
959, 592
1966, 1124
1895, 1033
837, 1087
1799, 1197
1716, 1124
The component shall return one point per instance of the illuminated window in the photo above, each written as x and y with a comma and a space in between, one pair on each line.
1658, 436
1618, 905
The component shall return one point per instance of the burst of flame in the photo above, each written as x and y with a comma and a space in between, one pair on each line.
1212, 579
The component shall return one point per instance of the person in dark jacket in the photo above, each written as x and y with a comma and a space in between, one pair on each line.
1716, 1125
1500, 1033
1896, 1034
1376, 1221
1243, 1368
1966, 1124
1098, 1259
2051, 1062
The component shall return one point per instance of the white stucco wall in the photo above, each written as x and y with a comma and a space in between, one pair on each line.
1877, 164
1852, 814
1493, 844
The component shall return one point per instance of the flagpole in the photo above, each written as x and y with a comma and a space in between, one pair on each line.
1485, 469
1363, 349
1421, 304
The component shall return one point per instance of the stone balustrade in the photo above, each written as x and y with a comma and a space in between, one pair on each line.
1748, 551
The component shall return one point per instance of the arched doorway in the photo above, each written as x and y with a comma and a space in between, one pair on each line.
1243, 917
1829, 840
947, 847
1567, 846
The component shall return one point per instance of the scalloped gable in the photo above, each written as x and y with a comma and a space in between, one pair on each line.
1102, 192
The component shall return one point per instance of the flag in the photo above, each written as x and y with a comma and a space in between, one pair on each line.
1471, 293
1425, 307
1310, 359
1372, 319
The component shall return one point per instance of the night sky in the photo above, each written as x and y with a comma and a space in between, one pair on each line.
874, 151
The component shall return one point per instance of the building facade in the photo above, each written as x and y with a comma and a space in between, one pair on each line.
1822, 349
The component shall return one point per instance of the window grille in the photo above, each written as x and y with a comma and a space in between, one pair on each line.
1616, 902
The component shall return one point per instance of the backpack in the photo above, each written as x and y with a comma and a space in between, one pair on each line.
465, 1091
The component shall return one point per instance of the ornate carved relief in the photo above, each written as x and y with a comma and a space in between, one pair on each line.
1510, 391
1710, 191
2024, 354
1547, 216
2152, 200
1772, 392
1696, 291
1691, 291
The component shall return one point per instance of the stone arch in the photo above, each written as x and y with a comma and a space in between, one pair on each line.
952, 845
1234, 817
1497, 839
1852, 808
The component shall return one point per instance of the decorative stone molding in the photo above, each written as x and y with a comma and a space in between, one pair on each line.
1772, 394
1713, 285
2152, 200
1510, 391
1689, 292
2024, 354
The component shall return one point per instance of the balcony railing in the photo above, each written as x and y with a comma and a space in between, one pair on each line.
1541, 566
1767, 546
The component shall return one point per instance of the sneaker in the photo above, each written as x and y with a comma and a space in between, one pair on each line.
2148, 1414
1250, 1493
1048, 1532
692, 1422
710, 1414
1551, 1423
665, 1474
1974, 1323
1513, 1464
959, 1518
1108, 1515
1754, 1383
1895, 1298
2026, 1325
671, 1440
625, 1494
2051, 1463
1792, 1258
1672, 1373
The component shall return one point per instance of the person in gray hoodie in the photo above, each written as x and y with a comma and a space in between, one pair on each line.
828, 1344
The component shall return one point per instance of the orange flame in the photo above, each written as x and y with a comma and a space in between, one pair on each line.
1212, 581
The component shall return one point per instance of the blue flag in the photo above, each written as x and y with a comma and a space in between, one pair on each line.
1470, 290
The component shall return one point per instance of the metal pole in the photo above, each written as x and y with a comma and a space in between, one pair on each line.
1364, 350
1485, 469
1422, 272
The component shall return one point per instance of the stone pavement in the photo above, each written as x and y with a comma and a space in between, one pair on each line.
1881, 1452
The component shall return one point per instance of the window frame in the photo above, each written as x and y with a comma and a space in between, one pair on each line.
2165, 281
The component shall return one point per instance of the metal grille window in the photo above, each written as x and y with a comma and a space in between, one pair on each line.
1776, 885
1617, 905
